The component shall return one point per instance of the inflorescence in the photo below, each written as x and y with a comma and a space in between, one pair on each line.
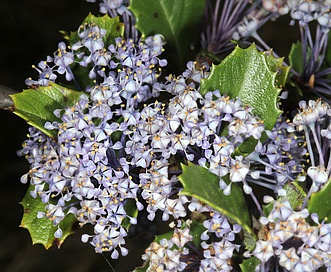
121, 144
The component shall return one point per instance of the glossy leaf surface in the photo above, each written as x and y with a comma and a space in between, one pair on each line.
246, 74
36, 106
199, 183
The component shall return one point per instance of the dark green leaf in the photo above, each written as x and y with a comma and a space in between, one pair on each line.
320, 203
199, 183
296, 58
36, 106
177, 21
132, 211
42, 229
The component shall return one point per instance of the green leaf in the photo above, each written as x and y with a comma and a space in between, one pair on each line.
320, 203
249, 265
177, 21
246, 74
251, 76
113, 26
199, 183
131, 210
196, 229
276, 65
36, 106
42, 229
294, 194
296, 58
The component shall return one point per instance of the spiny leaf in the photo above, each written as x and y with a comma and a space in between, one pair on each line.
276, 65
42, 229
245, 74
199, 183
251, 76
36, 106
177, 21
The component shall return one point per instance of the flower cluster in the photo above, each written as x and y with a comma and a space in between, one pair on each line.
137, 65
218, 253
86, 171
280, 159
167, 255
287, 236
314, 75
179, 253
227, 20
124, 142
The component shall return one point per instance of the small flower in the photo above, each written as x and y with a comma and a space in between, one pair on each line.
217, 256
263, 251
46, 74
164, 256
295, 243
181, 237
318, 176
62, 59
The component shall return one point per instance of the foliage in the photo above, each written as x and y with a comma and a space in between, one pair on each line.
42, 229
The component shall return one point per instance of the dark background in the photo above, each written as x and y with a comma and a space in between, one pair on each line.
30, 32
